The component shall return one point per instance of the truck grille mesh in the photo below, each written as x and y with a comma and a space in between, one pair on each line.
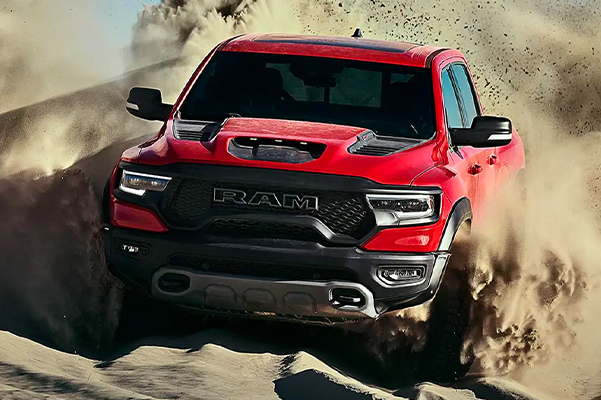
255, 229
187, 201
261, 269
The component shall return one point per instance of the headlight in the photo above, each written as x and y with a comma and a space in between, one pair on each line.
137, 183
402, 209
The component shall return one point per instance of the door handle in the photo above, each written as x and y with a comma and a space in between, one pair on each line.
475, 169
492, 159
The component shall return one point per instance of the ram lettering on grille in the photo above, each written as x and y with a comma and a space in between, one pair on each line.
292, 201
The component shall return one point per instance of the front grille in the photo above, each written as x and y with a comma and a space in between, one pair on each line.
262, 270
255, 229
187, 201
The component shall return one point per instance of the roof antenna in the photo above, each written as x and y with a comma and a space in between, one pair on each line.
357, 33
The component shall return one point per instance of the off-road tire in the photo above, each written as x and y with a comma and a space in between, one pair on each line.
441, 359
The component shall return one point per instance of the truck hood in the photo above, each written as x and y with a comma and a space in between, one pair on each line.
292, 145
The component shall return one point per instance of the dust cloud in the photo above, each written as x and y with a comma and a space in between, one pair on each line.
534, 268
48, 51
190, 29
51, 48
54, 285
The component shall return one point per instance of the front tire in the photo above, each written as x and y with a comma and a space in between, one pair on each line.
441, 359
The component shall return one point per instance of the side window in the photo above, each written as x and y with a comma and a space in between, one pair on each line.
467, 93
451, 103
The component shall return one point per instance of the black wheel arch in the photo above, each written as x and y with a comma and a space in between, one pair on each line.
460, 213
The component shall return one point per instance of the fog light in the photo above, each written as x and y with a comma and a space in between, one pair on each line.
401, 274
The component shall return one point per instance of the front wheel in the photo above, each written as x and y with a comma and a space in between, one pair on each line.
442, 359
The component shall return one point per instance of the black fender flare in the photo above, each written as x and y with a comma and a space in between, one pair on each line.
460, 213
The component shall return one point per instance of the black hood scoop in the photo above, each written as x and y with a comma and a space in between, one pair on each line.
370, 144
277, 150
197, 131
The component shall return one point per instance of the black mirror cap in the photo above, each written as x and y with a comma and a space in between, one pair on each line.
147, 103
486, 131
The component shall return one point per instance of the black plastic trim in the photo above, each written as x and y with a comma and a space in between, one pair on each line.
432, 55
296, 220
461, 212
138, 272
277, 150
370, 144
151, 201
195, 131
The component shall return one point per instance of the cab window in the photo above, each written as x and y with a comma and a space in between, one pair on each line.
467, 93
451, 102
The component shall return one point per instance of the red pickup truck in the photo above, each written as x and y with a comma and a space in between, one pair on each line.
312, 179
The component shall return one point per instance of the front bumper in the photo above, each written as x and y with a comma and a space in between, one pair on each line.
299, 281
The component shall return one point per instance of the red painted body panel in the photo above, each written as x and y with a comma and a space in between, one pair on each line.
431, 164
400, 53
124, 215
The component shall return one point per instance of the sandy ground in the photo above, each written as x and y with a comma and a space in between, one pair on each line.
213, 364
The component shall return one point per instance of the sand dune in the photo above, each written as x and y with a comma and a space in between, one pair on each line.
213, 364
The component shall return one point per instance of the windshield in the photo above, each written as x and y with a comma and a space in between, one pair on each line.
392, 100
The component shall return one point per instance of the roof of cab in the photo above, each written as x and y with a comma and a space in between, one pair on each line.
383, 51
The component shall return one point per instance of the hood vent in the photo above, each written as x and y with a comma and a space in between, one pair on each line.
373, 150
369, 144
276, 150
197, 131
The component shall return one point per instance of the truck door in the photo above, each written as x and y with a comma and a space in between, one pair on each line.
463, 160
487, 158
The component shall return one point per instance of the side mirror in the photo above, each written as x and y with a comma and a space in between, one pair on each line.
486, 131
147, 104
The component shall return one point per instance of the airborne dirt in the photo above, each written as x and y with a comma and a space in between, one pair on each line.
535, 276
